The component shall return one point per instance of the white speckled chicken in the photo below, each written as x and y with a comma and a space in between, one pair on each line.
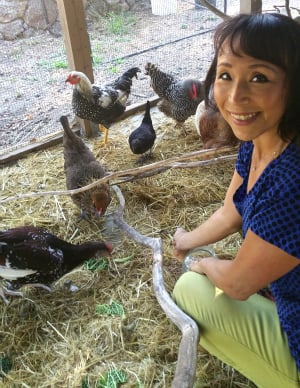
82, 168
101, 104
179, 97
32, 255
213, 130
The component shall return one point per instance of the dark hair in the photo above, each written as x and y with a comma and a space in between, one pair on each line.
271, 37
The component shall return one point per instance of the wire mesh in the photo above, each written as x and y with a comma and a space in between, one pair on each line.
33, 70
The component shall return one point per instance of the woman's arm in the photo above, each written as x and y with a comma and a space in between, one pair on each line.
257, 264
226, 220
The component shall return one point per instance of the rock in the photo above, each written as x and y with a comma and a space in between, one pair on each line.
12, 30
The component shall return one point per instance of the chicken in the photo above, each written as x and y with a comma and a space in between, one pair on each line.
179, 98
212, 128
82, 168
32, 255
101, 104
142, 138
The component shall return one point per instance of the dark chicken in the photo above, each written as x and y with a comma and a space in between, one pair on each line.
33, 256
212, 128
142, 138
179, 98
82, 168
101, 104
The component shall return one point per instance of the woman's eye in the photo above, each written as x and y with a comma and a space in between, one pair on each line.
224, 76
260, 78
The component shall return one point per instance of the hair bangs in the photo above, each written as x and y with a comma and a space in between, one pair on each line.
260, 37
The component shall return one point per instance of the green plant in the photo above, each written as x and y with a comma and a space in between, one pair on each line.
113, 67
118, 24
60, 64
96, 265
5, 365
112, 379
114, 308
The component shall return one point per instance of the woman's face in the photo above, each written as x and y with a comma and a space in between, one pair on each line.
250, 94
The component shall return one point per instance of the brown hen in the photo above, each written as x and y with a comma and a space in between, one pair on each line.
82, 168
213, 130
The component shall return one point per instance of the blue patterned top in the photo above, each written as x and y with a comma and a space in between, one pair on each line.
271, 210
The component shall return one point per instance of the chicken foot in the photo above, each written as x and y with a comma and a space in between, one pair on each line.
5, 291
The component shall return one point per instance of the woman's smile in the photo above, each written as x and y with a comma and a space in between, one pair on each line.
243, 118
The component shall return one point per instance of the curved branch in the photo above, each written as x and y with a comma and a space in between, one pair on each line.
187, 354
142, 172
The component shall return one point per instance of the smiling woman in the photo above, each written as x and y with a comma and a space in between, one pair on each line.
255, 88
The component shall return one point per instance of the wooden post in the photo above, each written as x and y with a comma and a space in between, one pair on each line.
77, 42
250, 6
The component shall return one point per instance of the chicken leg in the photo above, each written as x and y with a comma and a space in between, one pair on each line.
105, 130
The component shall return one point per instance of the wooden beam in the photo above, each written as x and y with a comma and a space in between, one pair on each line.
32, 147
51, 140
77, 42
250, 6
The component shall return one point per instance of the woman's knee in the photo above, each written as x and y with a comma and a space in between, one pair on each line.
192, 292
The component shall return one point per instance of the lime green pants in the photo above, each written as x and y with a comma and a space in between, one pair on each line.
244, 334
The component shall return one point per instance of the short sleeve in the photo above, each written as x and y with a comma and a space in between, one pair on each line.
276, 211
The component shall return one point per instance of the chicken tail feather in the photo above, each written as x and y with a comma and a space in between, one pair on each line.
66, 126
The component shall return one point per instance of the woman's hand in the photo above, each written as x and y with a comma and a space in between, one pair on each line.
178, 239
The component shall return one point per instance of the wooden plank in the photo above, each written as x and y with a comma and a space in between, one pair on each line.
57, 139
32, 147
250, 6
77, 42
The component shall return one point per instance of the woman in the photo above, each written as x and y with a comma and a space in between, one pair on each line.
255, 80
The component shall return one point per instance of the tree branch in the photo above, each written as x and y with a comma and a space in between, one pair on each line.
187, 355
143, 171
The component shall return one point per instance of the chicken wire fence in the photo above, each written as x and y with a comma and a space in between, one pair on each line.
33, 70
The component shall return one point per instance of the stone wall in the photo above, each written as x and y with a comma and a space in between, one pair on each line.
22, 18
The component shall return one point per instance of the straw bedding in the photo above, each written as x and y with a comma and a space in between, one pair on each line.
67, 339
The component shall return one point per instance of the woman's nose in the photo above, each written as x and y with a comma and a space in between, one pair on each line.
239, 92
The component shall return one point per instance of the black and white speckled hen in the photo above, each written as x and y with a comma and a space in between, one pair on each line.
179, 97
32, 255
142, 138
82, 168
101, 104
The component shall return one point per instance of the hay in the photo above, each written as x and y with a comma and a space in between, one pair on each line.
58, 339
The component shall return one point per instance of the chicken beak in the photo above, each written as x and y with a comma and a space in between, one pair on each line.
100, 212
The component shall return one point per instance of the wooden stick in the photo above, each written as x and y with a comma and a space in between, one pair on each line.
187, 355
143, 171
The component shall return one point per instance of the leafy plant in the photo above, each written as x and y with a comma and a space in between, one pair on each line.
96, 265
114, 308
113, 67
60, 64
5, 365
112, 379
118, 24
